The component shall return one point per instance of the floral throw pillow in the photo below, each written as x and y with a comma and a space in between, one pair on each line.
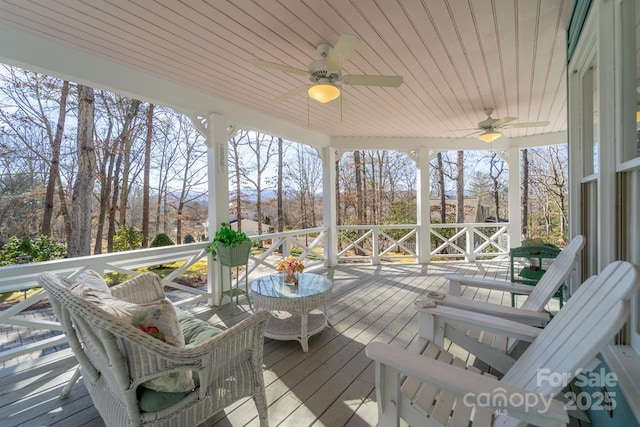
157, 319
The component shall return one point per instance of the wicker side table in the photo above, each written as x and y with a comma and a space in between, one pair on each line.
298, 312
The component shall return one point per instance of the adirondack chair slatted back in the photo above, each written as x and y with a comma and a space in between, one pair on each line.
572, 339
558, 272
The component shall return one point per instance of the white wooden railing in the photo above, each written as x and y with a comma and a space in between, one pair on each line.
388, 243
469, 241
375, 244
268, 248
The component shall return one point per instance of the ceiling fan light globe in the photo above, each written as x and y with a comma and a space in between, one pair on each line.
324, 92
489, 135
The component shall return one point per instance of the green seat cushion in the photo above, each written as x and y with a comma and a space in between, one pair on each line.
151, 400
195, 331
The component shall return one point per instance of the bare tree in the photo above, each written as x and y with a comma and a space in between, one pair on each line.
304, 175
235, 160
146, 185
32, 100
359, 189
525, 192
261, 147
105, 164
549, 176
442, 190
80, 239
460, 186
127, 138
191, 169
54, 170
279, 191
496, 168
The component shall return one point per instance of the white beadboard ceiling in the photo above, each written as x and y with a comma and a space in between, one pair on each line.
456, 56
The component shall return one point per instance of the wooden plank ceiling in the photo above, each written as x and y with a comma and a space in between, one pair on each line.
456, 56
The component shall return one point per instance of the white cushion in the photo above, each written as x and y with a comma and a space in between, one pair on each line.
93, 280
157, 319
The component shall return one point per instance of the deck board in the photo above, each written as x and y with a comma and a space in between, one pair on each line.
331, 385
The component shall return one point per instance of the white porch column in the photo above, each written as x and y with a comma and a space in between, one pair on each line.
515, 197
329, 213
218, 187
607, 218
423, 205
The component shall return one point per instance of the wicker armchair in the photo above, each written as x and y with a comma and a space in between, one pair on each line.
116, 358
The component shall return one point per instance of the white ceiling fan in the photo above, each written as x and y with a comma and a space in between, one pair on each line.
489, 129
325, 73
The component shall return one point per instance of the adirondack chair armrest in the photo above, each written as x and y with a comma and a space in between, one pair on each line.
457, 281
444, 315
528, 317
472, 387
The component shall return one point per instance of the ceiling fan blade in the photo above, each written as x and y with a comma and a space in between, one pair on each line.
528, 124
290, 94
476, 132
503, 121
341, 52
364, 80
279, 67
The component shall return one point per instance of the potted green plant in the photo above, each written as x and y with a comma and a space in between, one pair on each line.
231, 246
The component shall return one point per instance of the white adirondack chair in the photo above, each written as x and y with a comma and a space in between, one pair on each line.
439, 390
495, 348
538, 296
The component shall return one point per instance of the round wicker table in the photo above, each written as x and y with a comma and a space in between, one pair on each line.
296, 312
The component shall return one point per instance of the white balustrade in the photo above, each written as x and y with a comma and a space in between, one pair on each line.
22, 277
372, 243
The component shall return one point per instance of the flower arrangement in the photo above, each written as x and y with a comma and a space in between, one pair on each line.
290, 265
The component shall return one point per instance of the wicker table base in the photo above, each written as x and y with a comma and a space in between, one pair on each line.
286, 326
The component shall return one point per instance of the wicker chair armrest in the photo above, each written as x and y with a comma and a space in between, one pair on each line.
247, 333
240, 345
142, 289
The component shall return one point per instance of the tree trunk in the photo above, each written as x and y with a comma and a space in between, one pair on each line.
279, 189
113, 207
443, 200
359, 195
179, 221
525, 193
460, 187
64, 211
495, 178
127, 138
54, 170
146, 184
338, 213
105, 173
80, 242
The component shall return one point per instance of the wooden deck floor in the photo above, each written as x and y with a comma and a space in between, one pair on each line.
331, 385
